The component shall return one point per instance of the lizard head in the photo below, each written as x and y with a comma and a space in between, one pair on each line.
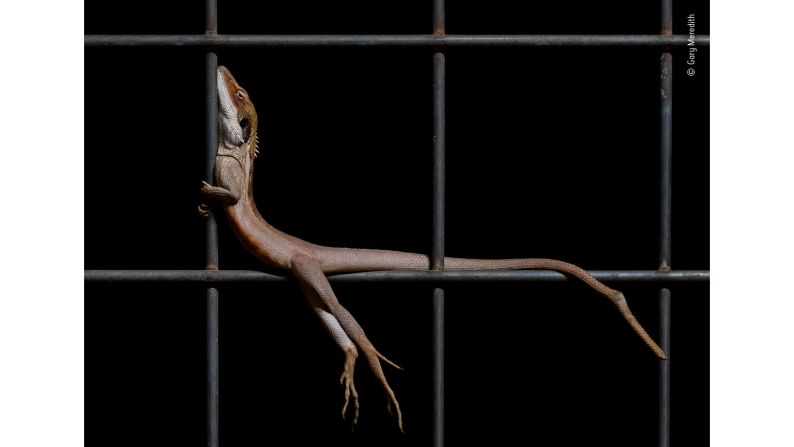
237, 118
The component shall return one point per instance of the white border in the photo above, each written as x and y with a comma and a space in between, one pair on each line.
41, 318
752, 228
41, 238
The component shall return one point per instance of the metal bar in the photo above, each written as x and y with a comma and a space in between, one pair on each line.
438, 366
211, 16
212, 146
667, 18
666, 151
664, 368
213, 348
665, 239
439, 201
213, 362
447, 276
439, 18
421, 40
439, 160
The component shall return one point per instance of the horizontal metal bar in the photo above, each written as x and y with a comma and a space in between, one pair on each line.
446, 276
416, 40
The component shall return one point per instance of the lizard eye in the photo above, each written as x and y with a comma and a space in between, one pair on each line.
244, 123
240, 95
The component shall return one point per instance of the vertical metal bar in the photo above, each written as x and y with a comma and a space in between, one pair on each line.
439, 20
437, 260
438, 160
212, 234
438, 367
664, 369
211, 16
212, 146
212, 367
666, 159
665, 224
667, 17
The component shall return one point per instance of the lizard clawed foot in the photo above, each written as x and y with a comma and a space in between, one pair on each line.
350, 388
204, 210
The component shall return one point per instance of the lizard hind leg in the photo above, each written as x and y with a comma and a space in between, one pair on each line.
346, 379
343, 327
383, 357
331, 325
373, 358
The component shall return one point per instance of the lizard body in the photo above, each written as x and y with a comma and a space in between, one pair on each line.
237, 148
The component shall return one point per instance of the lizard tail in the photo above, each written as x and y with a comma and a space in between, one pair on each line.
615, 296
623, 307
357, 260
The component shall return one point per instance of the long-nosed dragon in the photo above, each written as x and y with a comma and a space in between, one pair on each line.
309, 263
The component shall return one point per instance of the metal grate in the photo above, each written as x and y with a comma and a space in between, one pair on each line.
438, 41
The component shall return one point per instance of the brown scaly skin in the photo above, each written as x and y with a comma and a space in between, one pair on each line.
237, 148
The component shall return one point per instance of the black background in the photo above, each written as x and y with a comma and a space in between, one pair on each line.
550, 153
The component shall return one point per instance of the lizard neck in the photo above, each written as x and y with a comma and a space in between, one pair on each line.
260, 238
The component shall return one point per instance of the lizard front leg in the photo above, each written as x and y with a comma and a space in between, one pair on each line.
317, 289
215, 193
230, 179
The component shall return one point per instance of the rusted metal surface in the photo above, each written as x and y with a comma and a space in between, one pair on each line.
666, 158
667, 18
439, 221
213, 347
665, 237
439, 160
211, 16
429, 40
439, 18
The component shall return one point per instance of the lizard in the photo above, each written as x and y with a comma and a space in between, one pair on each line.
309, 263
